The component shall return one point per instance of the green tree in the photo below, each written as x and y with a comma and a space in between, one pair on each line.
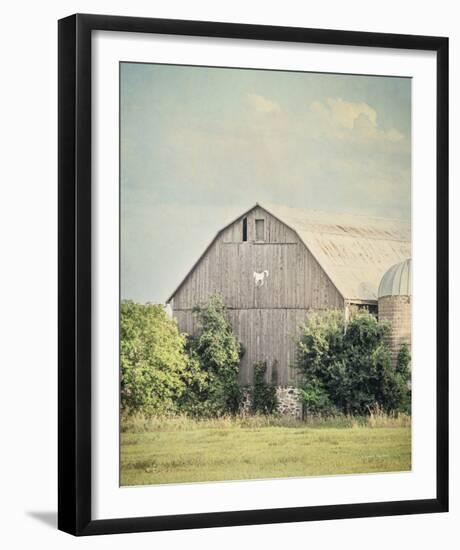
155, 368
194, 400
404, 375
348, 368
263, 394
219, 353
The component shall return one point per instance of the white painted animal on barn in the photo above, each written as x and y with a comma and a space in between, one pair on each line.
259, 278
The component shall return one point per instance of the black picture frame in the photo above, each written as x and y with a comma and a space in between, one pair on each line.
74, 332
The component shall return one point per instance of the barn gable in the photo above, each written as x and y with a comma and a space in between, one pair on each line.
353, 251
269, 282
257, 243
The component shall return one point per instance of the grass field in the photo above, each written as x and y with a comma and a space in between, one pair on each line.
178, 451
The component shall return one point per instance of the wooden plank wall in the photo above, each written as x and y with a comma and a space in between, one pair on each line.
266, 334
263, 317
275, 232
295, 278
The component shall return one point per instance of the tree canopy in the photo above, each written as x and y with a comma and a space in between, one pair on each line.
155, 367
347, 368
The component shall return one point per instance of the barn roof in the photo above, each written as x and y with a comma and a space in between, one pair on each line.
355, 251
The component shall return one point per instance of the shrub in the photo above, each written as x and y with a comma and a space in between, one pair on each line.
316, 398
193, 401
403, 360
348, 368
404, 375
263, 395
219, 354
155, 368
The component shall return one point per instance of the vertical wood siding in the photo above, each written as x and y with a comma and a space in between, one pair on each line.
266, 334
265, 318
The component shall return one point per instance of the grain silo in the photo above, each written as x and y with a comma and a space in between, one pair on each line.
394, 299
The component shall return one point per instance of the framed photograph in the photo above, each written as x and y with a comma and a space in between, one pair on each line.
253, 274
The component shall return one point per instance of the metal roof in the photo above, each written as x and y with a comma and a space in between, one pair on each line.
355, 251
397, 280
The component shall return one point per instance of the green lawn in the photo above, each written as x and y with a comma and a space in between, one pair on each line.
236, 452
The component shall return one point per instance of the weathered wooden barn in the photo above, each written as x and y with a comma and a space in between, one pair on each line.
274, 264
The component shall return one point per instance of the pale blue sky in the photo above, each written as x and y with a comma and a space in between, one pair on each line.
200, 145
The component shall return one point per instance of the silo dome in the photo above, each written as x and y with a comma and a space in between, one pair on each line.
397, 280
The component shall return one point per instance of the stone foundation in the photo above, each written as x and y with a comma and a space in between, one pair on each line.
289, 401
288, 398
246, 404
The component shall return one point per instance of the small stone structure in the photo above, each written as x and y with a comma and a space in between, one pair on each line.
288, 398
395, 306
246, 401
289, 401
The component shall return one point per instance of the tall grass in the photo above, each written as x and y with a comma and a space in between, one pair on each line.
183, 450
377, 418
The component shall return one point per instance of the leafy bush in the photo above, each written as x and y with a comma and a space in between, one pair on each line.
164, 372
316, 398
193, 401
403, 373
348, 368
263, 395
155, 368
219, 354
403, 360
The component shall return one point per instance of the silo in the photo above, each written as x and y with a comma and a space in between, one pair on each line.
394, 299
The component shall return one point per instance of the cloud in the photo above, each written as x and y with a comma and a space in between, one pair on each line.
333, 143
262, 105
344, 113
348, 119
394, 135
347, 112
191, 152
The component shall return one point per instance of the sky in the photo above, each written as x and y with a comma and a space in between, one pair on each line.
200, 145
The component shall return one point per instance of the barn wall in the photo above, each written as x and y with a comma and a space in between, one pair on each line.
264, 317
295, 279
275, 232
266, 334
